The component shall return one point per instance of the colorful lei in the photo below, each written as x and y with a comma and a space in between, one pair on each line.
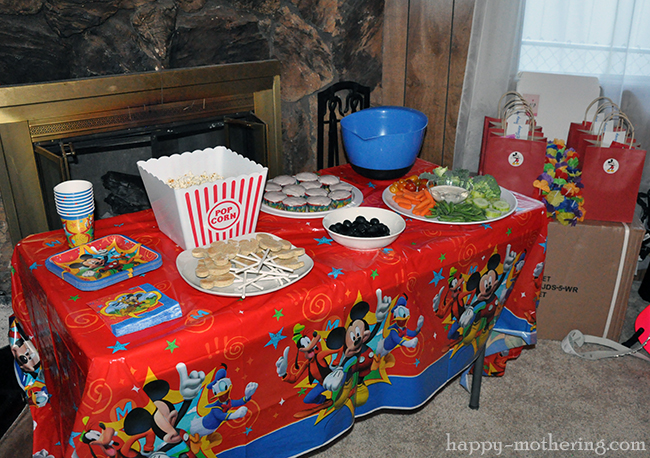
560, 184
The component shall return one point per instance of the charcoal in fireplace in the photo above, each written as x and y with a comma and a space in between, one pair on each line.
126, 192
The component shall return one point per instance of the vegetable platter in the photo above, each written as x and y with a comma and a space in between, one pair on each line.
459, 198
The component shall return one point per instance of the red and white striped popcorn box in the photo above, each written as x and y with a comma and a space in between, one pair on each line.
194, 215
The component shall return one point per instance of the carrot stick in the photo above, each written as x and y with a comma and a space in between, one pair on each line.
413, 198
419, 202
408, 194
424, 212
429, 197
399, 199
423, 204
422, 207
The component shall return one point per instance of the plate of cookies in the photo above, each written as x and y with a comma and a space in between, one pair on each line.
248, 265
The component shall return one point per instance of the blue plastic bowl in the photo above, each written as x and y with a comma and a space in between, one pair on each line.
382, 143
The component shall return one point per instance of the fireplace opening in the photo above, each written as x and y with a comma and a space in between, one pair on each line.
98, 127
108, 159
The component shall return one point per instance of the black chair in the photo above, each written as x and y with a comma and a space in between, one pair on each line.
331, 108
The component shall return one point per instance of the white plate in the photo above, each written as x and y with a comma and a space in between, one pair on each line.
506, 195
357, 199
186, 265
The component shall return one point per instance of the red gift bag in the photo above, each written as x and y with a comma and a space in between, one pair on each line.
585, 139
489, 123
577, 130
514, 103
611, 177
514, 162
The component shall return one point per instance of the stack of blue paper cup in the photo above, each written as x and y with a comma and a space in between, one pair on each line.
75, 204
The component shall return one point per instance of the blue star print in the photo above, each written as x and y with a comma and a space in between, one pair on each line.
437, 276
486, 226
543, 245
275, 338
387, 250
119, 346
73, 436
324, 240
33, 266
335, 272
371, 184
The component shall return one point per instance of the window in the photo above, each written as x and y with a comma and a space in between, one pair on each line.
604, 38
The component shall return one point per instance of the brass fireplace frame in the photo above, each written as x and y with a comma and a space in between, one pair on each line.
50, 111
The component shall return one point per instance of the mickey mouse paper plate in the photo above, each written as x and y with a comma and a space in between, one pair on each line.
103, 262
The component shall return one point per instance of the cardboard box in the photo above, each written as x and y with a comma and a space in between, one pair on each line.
587, 278
204, 213
548, 91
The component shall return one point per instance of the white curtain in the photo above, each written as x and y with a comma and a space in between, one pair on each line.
491, 70
609, 39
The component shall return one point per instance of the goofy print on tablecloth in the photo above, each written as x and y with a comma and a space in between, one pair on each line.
314, 365
473, 299
338, 364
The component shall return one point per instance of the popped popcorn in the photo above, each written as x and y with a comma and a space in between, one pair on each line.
189, 179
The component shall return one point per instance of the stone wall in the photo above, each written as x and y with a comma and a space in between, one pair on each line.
318, 42
5, 257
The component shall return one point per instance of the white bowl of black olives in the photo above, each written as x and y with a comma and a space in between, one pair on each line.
364, 228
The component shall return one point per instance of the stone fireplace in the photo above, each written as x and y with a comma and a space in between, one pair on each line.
114, 121
315, 42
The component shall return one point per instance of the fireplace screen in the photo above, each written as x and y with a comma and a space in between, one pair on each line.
98, 128
108, 160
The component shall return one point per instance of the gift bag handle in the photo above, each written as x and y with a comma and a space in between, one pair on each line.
529, 112
629, 133
516, 97
600, 109
515, 107
608, 103
513, 104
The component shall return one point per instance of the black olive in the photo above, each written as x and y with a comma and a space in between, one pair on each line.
361, 227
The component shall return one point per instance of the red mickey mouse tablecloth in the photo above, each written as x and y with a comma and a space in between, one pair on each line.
281, 373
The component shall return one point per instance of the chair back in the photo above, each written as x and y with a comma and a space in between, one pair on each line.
334, 103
